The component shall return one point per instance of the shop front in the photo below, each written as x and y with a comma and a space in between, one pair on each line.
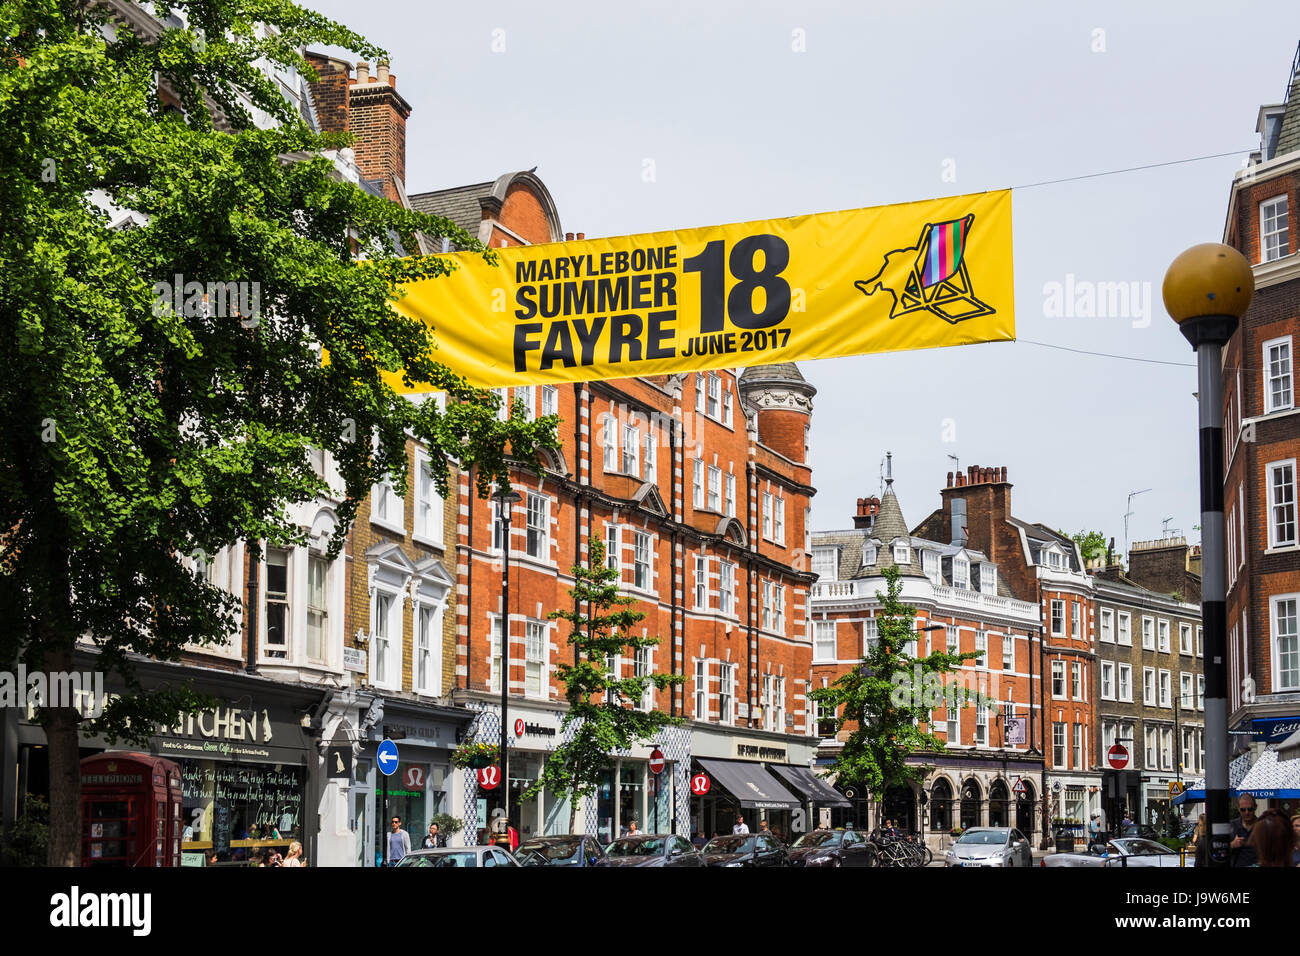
743, 783
628, 791
421, 788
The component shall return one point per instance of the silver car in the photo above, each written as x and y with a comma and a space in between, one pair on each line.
990, 846
465, 856
1121, 852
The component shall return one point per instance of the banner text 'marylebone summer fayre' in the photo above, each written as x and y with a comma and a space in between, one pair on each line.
910, 276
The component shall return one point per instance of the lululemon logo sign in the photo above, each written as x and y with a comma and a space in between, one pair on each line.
489, 777
414, 778
519, 727
700, 784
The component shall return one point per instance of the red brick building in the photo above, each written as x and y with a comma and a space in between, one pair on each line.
1044, 568
964, 604
1262, 434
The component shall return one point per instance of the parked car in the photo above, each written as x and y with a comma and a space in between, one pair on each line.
572, 850
653, 849
990, 846
463, 856
752, 849
1122, 852
833, 848
1141, 830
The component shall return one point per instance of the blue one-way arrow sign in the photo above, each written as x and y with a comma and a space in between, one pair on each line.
387, 757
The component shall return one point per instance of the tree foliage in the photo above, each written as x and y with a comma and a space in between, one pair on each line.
602, 706
1092, 544
135, 434
879, 700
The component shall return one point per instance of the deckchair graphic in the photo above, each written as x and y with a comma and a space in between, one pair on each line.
930, 276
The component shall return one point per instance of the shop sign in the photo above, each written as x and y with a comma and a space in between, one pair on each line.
523, 729
1274, 730
233, 732
758, 752
354, 659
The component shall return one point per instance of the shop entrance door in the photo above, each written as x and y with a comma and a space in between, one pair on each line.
363, 815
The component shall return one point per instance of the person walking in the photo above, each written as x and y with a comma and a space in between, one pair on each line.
1201, 843
1295, 829
700, 840
433, 839
1094, 830
741, 826
1243, 852
294, 856
399, 843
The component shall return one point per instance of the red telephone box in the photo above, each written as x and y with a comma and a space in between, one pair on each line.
130, 810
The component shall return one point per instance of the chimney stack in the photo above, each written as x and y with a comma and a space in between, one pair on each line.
868, 508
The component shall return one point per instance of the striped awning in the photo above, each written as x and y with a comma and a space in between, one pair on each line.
1271, 777
1237, 771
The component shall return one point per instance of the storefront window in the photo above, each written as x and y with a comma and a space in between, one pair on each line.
605, 808
236, 809
631, 797
1075, 807
523, 772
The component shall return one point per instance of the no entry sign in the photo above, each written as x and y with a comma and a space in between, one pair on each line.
700, 784
1117, 756
656, 761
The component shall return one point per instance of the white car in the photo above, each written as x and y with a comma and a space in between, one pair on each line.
1122, 852
990, 846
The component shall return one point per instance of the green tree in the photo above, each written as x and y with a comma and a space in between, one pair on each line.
135, 434
890, 690
1092, 544
602, 706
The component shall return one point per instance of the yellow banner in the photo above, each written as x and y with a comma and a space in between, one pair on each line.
909, 276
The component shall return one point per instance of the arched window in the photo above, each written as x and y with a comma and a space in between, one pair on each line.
941, 806
971, 797
999, 804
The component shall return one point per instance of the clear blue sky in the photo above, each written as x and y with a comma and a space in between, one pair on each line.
882, 100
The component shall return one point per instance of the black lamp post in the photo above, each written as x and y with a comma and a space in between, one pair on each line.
1206, 291
506, 499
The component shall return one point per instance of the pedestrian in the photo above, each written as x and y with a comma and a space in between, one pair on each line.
294, 856
762, 827
1201, 843
776, 832
1094, 830
399, 843
1243, 852
433, 839
275, 859
741, 826
1295, 829
1125, 823
1272, 839
632, 829
700, 840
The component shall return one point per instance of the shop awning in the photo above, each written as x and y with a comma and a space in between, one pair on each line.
752, 787
814, 788
1273, 778
1289, 749
1237, 771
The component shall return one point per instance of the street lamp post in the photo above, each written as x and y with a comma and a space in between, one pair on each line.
506, 499
1206, 291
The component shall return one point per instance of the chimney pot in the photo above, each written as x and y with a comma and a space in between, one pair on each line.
950, 479
1004, 472
568, 237
381, 73
581, 236
363, 72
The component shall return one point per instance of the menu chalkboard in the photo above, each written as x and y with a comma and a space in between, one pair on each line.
258, 802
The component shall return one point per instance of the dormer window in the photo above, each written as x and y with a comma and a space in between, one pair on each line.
1053, 558
988, 579
930, 565
902, 554
824, 561
868, 554
960, 573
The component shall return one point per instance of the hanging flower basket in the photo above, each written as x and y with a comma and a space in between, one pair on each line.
474, 756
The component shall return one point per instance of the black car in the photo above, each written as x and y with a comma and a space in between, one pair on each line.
572, 850
745, 849
649, 849
833, 848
